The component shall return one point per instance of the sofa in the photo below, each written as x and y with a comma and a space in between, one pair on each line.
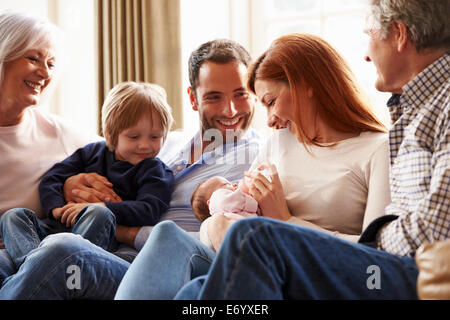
433, 262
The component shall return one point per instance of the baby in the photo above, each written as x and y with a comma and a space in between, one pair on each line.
217, 195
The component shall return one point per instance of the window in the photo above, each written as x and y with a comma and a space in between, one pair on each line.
256, 23
341, 22
75, 97
253, 23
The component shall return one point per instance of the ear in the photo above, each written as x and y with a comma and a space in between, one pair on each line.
192, 99
400, 32
310, 92
207, 202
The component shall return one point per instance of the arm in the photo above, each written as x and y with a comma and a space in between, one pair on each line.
135, 211
51, 187
378, 188
271, 200
269, 193
89, 187
127, 234
217, 227
426, 221
154, 183
70, 211
304, 223
203, 234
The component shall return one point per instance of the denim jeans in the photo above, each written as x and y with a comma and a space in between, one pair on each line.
265, 259
66, 266
7, 266
168, 260
22, 231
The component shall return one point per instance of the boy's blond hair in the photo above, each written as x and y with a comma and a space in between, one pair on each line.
127, 103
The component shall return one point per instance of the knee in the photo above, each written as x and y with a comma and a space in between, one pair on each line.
98, 213
243, 226
258, 227
7, 266
265, 229
13, 216
165, 229
62, 244
58, 251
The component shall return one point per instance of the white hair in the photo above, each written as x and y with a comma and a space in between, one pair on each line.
20, 32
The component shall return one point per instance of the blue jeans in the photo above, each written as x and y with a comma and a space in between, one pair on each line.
22, 231
66, 266
168, 260
266, 259
7, 266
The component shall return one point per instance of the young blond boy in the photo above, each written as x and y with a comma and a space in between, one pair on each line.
136, 119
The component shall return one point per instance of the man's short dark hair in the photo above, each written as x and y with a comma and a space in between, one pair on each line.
218, 51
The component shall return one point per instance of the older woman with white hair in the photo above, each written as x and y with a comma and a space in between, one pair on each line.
31, 140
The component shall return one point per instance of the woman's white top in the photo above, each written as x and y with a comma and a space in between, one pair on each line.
28, 150
339, 189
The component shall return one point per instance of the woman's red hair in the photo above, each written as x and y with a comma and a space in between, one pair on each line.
305, 60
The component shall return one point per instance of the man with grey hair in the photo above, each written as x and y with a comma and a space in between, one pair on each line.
265, 259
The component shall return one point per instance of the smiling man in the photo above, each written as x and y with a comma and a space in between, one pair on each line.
218, 92
225, 144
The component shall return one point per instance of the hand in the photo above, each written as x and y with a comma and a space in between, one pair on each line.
69, 212
89, 187
218, 226
126, 234
59, 212
269, 194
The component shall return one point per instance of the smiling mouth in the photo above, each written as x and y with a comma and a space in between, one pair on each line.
144, 155
33, 85
230, 123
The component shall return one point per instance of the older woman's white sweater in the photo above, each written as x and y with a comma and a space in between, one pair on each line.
28, 150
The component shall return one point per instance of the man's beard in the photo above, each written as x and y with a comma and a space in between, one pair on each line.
209, 129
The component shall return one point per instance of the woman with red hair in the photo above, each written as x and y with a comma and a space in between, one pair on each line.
332, 158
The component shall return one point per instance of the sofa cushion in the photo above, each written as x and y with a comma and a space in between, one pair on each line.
433, 262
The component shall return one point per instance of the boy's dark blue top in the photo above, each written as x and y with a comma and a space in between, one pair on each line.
145, 188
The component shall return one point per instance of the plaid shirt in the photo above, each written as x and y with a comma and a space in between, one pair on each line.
420, 162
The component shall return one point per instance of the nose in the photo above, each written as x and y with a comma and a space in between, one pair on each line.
272, 118
144, 144
272, 121
230, 109
367, 58
44, 71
